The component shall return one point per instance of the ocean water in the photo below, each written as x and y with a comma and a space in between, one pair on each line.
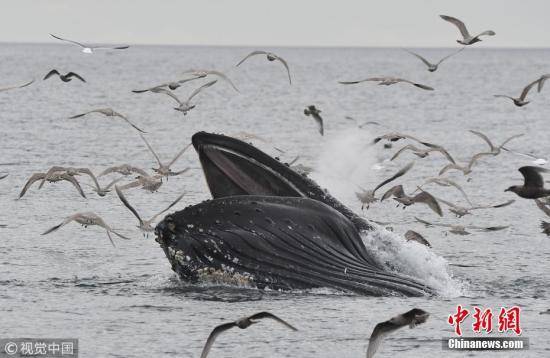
126, 301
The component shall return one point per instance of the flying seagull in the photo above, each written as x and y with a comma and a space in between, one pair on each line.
70, 171
270, 57
164, 169
432, 67
314, 112
89, 48
467, 39
87, 219
461, 229
521, 100
183, 106
366, 197
407, 200
2, 89
204, 73
411, 318
460, 211
109, 112
533, 186
65, 78
144, 225
54, 178
242, 323
386, 81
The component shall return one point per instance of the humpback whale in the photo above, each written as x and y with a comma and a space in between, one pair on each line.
268, 226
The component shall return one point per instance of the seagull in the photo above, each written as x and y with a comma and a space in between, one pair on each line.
270, 57
386, 81
422, 153
53, 178
242, 323
144, 225
109, 112
461, 230
366, 197
314, 112
423, 198
70, 171
411, 235
90, 49
411, 318
87, 219
124, 169
467, 39
446, 182
184, 106
164, 169
65, 78
146, 182
171, 85
494, 150
533, 187
460, 211
205, 73
432, 67
521, 100
2, 89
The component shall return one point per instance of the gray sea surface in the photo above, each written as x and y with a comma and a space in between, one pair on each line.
125, 301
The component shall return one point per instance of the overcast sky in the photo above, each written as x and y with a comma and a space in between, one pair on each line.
408, 23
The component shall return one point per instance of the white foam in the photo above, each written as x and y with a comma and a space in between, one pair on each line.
348, 159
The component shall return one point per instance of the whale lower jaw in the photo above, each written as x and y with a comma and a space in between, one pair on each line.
280, 243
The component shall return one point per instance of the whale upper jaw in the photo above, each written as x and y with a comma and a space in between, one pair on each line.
232, 167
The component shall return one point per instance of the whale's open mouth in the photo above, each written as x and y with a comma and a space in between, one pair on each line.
232, 168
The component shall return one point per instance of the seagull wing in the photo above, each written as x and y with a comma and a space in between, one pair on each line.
509, 139
532, 176
440, 149
179, 154
401, 172
16, 86
75, 183
459, 24
72, 74
213, 335
197, 91
34, 178
253, 53
374, 79
127, 204
407, 147
450, 55
420, 58
282, 60
527, 89
428, 199
261, 315
166, 92
168, 207
90, 174
63, 223
133, 125
381, 331
151, 149
396, 191
485, 138
71, 41
419, 85
223, 76
50, 74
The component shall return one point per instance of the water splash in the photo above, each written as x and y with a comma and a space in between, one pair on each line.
347, 160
